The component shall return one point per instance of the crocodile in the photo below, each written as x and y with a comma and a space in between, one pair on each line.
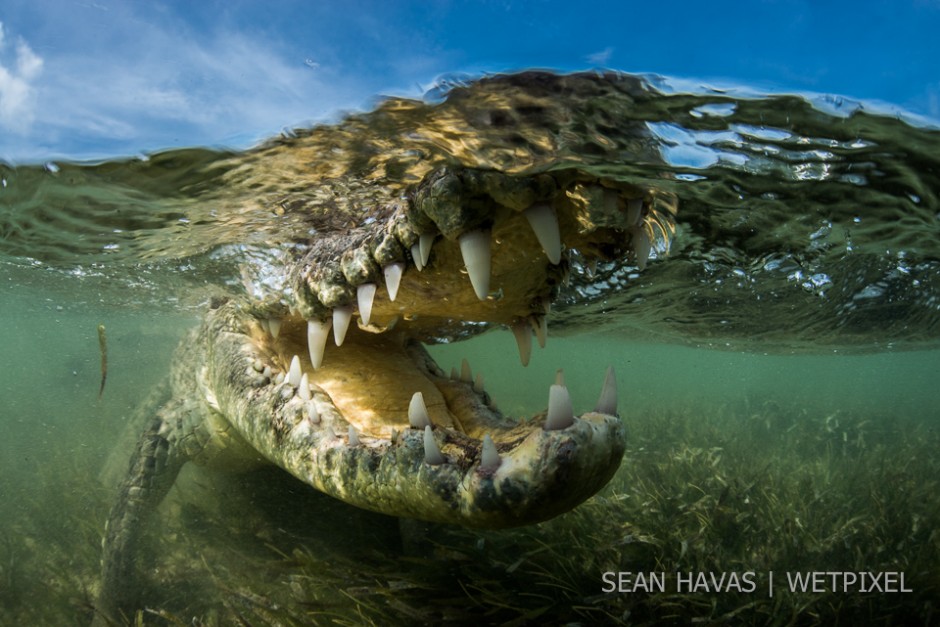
417, 222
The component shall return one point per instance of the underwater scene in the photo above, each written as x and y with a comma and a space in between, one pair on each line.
761, 273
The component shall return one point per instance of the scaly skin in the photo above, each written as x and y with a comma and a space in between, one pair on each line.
349, 426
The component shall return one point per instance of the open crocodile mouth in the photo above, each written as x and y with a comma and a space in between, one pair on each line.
339, 391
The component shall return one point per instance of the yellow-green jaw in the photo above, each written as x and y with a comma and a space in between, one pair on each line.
419, 455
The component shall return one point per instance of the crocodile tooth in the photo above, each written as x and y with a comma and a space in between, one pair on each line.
329, 433
257, 364
279, 379
302, 430
466, 375
392, 274
365, 295
342, 316
489, 459
432, 452
353, 436
607, 403
560, 414
304, 390
424, 247
317, 332
264, 325
475, 249
641, 247
478, 383
634, 211
544, 223
560, 377
293, 373
523, 334
274, 325
540, 326
266, 372
416, 255
418, 412
310, 408
454, 375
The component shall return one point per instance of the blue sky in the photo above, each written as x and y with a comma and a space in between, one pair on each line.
95, 78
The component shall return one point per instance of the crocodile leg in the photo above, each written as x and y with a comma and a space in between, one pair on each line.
155, 464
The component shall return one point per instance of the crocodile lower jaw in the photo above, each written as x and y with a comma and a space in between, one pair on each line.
400, 436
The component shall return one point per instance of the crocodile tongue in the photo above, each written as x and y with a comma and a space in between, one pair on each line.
370, 379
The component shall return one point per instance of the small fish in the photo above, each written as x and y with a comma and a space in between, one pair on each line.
103, 345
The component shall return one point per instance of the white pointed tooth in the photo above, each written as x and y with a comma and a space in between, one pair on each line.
392, 274
353, 436
418, 412
641, 247
416, 255
607, 403
634, 211
540, 326
317, 332
424, 247
304, 390
279, 379
313, 415
560, 414
342, 316
475, 249
466, 375
523, 334
432, 452
293, 373
264, 325
257, 364
560, 377
266, 372
365, 296
274, 325
489, 458
302, 430
454, 375
544, 224
478, 383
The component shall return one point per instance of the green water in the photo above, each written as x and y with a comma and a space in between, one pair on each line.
777, 375
656, 376
58, 438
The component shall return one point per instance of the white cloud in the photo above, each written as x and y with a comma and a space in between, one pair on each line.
141, 77
601, 57
17, 89
159, 84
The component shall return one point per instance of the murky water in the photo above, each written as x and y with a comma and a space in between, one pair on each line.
802, 287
